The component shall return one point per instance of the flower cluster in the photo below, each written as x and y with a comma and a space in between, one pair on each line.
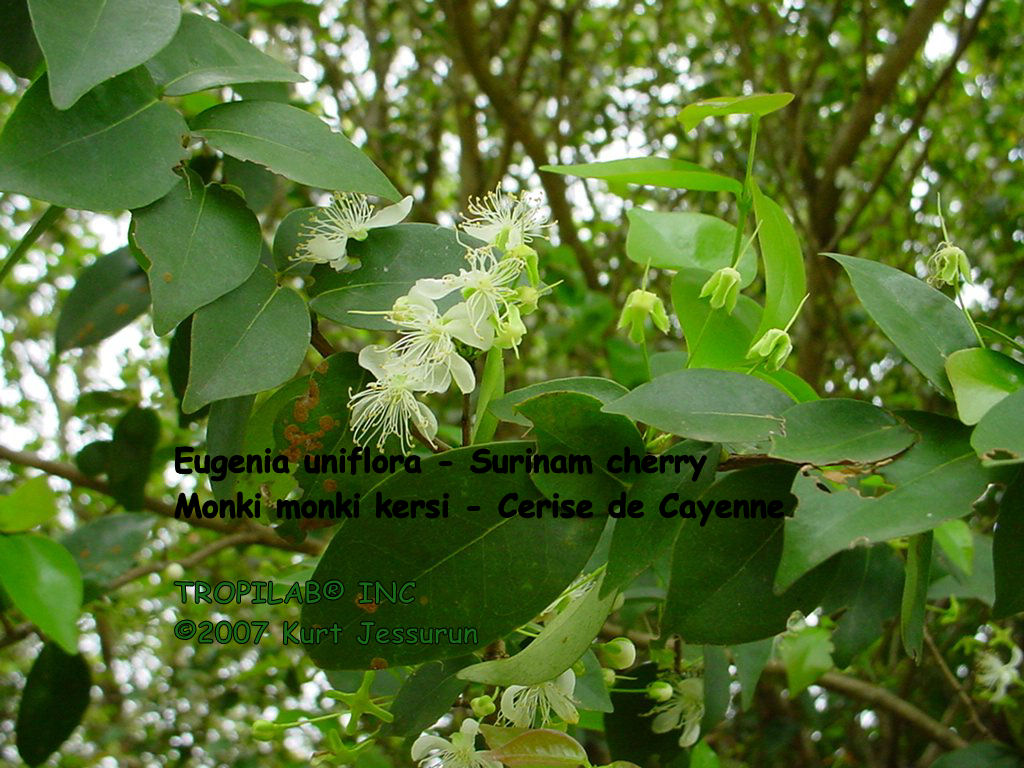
499, 285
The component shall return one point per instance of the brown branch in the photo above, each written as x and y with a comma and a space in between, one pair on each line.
958, 689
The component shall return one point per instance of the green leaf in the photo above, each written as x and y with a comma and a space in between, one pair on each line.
542, 748
925, 325
524, 563
640, 542
293, 143
755, 104
999, 437
980, 379
788, 382
130, 456
1008, 551
604, 390
807, 655
18, 47
55, 698
590, 691
251, 339
720, 590
114, 149
652, 171
42, 580
205, 54
391, 261
32, 503
572, 423
427, 695
956, 543
286, 241
561, 642
915, 594
86, 42
260, 435
872, 579
839, 430
978, 582
684, 240
716, 686
714, 406
107, 296
702, 756
105, 548
628, 728
989, 755
714, 338
936, 480
225, 436
750, 660
785, 282
201, 242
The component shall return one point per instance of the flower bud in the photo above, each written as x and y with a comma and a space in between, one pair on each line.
639, 305
774, 346
724, 288
947, 264
659, 690
528, 297
482, 706
619, 653
510, 331
608, 675
264, 730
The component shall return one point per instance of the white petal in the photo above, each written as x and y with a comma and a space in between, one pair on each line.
433, 378
388, 217
463, 374
458, 324
564, 708
470, 727
426, 744
566, 682
668, 720
426, 421
486, 232
374, 358
435, 288
690, 733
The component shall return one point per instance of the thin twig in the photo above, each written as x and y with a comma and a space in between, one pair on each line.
947, 673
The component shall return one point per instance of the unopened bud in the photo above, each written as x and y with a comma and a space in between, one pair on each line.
482, 706
619, 653
774, 347
264, 730
640, 305
947, 264
724, 288
659, 690
510, 331
528, 298
608, 675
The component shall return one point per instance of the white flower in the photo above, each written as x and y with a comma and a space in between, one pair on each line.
427, 338
506, 221
387, 406
684, 710
348, 216
520, 704
997, 676
460, 752
488, 286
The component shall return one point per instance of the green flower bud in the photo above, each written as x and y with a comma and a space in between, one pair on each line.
608, 675
510, 331
639, 305
774, 346
659, 690
619, 653
529, 257
264, 730
724, 288
947, 265
482, 706
579, 668
528, 297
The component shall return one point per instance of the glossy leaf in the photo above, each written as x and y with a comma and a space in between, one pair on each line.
925, 325
87, 42
714, 337
107, 296
999, 436
542, 748
1008, 551
225, 436
561, 642
114, 149
30, 504
55, 698
44, 583
980, 379
391, 261
444, 555
785, 282
839, 430
652, 171
427, 695
201, 242
714, 406
754, 104
204, 54
604, 390
251, 339
294, 143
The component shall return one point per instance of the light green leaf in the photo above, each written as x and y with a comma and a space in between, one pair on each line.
915, 594
492, 387
294, 143
714, 338
561, 642
839, 430
88, 41
714, 406
251, 339
542, 748
999, 436
807, 655
201, 242
787, 381
924, 324
107, 296
56, 696
604, 390
702, 756
785, 281
653, 171
32, 503
957, 544
114, 149
980, 379
205, 54
42, 580
754, 104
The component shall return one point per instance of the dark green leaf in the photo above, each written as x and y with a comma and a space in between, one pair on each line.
915, 594
988, 755
652, 171
294, 143
130, 456
427, 695
1008, 551
716, 686
106, 547
873, 580
225, 436
604, 390
114, 149
751, 659
55, 698
18, 47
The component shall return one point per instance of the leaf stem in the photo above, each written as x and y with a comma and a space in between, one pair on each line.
42, 224
745, 198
